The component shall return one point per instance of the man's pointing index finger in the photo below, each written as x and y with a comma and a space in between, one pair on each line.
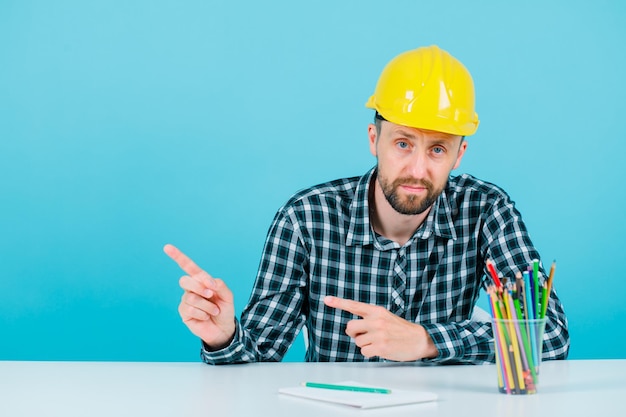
185, 263
355, 307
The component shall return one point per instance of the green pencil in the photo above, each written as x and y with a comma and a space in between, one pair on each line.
536, 287
546, 290
347, 388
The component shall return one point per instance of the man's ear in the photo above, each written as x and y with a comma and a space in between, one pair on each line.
372, 134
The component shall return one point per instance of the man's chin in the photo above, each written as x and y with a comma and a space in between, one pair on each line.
410, 209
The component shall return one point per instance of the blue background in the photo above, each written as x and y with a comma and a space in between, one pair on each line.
125, 125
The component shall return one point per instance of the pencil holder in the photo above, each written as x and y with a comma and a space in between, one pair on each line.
518, 345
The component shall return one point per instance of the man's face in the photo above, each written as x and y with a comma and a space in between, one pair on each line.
414, 164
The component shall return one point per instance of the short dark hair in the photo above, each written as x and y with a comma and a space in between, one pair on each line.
378, 119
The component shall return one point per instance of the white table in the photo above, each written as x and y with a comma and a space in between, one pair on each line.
567, 388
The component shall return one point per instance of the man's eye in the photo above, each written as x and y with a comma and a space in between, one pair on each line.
438, 150
403, 145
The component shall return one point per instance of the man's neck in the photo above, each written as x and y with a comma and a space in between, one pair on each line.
387, 222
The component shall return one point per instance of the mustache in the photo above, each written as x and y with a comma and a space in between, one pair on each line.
413, 181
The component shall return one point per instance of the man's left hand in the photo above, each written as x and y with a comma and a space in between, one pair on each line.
381, 333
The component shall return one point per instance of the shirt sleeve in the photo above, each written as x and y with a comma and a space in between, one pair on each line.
472, 342
274, 314
505, 240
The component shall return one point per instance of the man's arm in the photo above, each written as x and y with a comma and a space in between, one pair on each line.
273, 316
507, 243
503, 239
472, 341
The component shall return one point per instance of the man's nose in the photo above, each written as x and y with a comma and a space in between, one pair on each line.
417, 165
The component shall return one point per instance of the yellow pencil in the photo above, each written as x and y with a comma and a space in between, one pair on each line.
515, 347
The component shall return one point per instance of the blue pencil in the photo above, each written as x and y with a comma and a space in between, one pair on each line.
530, 330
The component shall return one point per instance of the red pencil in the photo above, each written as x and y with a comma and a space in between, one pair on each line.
494, 274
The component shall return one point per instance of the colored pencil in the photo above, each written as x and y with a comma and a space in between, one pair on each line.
547, 290
493, 273
536, 286
347, 388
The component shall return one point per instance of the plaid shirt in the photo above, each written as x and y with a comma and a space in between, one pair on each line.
321, 243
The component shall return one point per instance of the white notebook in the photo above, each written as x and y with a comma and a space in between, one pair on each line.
360, 399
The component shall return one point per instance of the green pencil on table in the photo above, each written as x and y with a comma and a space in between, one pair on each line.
340, 387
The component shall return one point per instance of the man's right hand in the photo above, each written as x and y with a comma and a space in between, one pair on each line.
207, 306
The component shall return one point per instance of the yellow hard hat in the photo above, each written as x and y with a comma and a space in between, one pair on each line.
427, 88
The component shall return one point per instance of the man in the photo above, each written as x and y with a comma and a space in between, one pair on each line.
387, 266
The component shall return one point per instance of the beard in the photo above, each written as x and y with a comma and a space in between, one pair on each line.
411, 204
